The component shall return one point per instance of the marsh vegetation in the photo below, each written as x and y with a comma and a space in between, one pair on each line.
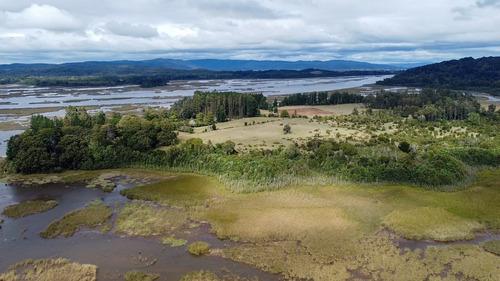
28, 208
49, 270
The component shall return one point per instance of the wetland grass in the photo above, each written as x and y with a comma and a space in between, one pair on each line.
174, 242
49, 270
329, 232
492, 246
93, 215
146, 219
199, 248
200, 276
28, 208
182, 191
137, 275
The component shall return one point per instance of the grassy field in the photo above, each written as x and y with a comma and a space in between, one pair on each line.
50, 270
267, 132
342, 232
28, 208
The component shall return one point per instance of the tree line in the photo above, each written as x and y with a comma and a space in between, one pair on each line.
221, 105
321, 98
429, 104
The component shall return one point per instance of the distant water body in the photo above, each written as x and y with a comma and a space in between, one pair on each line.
17, 97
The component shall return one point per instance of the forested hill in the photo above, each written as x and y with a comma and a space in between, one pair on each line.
481, 74
121, 73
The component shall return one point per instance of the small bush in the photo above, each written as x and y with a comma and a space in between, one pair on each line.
199, 248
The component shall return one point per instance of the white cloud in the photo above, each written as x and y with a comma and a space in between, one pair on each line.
374, 31
42, 17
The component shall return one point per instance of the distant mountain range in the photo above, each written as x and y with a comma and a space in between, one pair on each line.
218, 65
482, 74
158, 72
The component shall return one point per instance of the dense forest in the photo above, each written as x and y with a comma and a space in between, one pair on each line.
101, 74
221, 105
82, 141
481, 74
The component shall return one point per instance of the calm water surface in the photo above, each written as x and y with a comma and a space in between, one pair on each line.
12, 97
114, 254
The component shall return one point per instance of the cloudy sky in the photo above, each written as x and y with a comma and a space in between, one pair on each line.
382, 31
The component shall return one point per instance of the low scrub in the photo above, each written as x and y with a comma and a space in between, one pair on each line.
28, 208
94, 214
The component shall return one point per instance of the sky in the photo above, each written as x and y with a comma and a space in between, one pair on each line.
382, 31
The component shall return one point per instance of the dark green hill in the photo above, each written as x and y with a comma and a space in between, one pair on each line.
481, 74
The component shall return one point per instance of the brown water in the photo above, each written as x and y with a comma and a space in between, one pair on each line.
113, 254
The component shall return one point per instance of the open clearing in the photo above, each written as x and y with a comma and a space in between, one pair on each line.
267, 132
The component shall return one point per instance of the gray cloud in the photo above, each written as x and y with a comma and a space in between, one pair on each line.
488, 3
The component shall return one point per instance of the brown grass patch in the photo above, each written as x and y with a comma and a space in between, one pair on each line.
50, 270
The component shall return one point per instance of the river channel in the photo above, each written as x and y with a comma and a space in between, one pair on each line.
114, 254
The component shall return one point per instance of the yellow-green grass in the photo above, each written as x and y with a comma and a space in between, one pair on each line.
200, 276
28, 208
492, 246
326, 233
183, 190
268, 132
93, 215
50, 270
137, 275
431, 222
146, 219
338, 232
199, 248
174, 242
